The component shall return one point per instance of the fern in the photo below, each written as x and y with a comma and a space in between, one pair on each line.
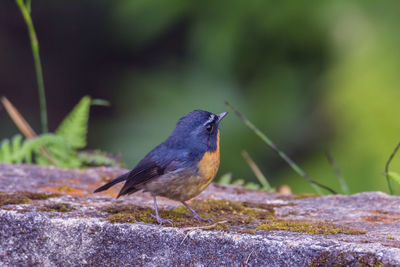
227, 179
61, 153
9, 150
60, 149
97, 158
27, 151
5, 151
73, 129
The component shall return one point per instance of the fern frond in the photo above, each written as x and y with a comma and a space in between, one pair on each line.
16, 144
73, 129
62, 153
5, 151
59, 149
10, 150
28, 151
97, 158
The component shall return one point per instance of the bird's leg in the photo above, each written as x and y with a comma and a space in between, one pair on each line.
195, 215
157, 217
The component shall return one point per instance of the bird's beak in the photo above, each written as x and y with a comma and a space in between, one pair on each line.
221, 116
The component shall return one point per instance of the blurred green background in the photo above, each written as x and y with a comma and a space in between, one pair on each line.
313, 75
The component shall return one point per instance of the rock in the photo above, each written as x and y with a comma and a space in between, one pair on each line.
49, 216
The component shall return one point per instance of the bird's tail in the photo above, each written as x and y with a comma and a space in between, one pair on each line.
113, 182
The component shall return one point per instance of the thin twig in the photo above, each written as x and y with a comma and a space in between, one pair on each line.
387, 167
248, 257
194, 228
17, 118
23, 126
339, 175
256, 170
288, 160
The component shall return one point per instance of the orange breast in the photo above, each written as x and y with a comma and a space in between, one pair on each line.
209, 164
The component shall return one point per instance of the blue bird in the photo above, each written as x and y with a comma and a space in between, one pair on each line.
181, 167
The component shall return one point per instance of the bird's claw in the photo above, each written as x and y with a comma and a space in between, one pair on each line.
160, 220
199, 218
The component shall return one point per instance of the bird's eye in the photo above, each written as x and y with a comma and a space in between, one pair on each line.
209, 127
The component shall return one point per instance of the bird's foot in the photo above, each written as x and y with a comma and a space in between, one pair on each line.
160, 220
195, 215
199, 218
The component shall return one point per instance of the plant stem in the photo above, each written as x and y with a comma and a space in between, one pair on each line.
339, 175
317, 186
17, 118
257, 172
25, 10
387, 168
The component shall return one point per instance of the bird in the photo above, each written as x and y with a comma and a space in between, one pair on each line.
179, 168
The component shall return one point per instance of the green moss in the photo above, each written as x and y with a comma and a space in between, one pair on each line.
121, 218
21, 197
307, 227
219, 227
370, 260
290, 213
132, 214
235, 213
128, 214
265, 206
246, 231
245, 214
36, 196
221, 206
321, 260
327, 258
65, 189
7, 199
57, 207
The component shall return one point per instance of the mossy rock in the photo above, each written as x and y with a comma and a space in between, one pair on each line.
234, 213
246, 231
308, 227
57, 207
22, 197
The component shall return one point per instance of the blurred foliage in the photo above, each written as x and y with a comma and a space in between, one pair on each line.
60, 149
58, 152
394, 176
227, 179
314, 76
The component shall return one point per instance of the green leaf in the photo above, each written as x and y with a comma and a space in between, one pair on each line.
238, 181
27, 151
97, 158
73, 129
225, 179
395, 176
60, 151
16, 144
5, 151
251, 185
268, 189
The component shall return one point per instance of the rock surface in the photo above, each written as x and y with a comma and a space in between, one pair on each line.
70, 226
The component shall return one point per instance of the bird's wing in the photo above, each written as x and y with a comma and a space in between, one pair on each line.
147, 169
